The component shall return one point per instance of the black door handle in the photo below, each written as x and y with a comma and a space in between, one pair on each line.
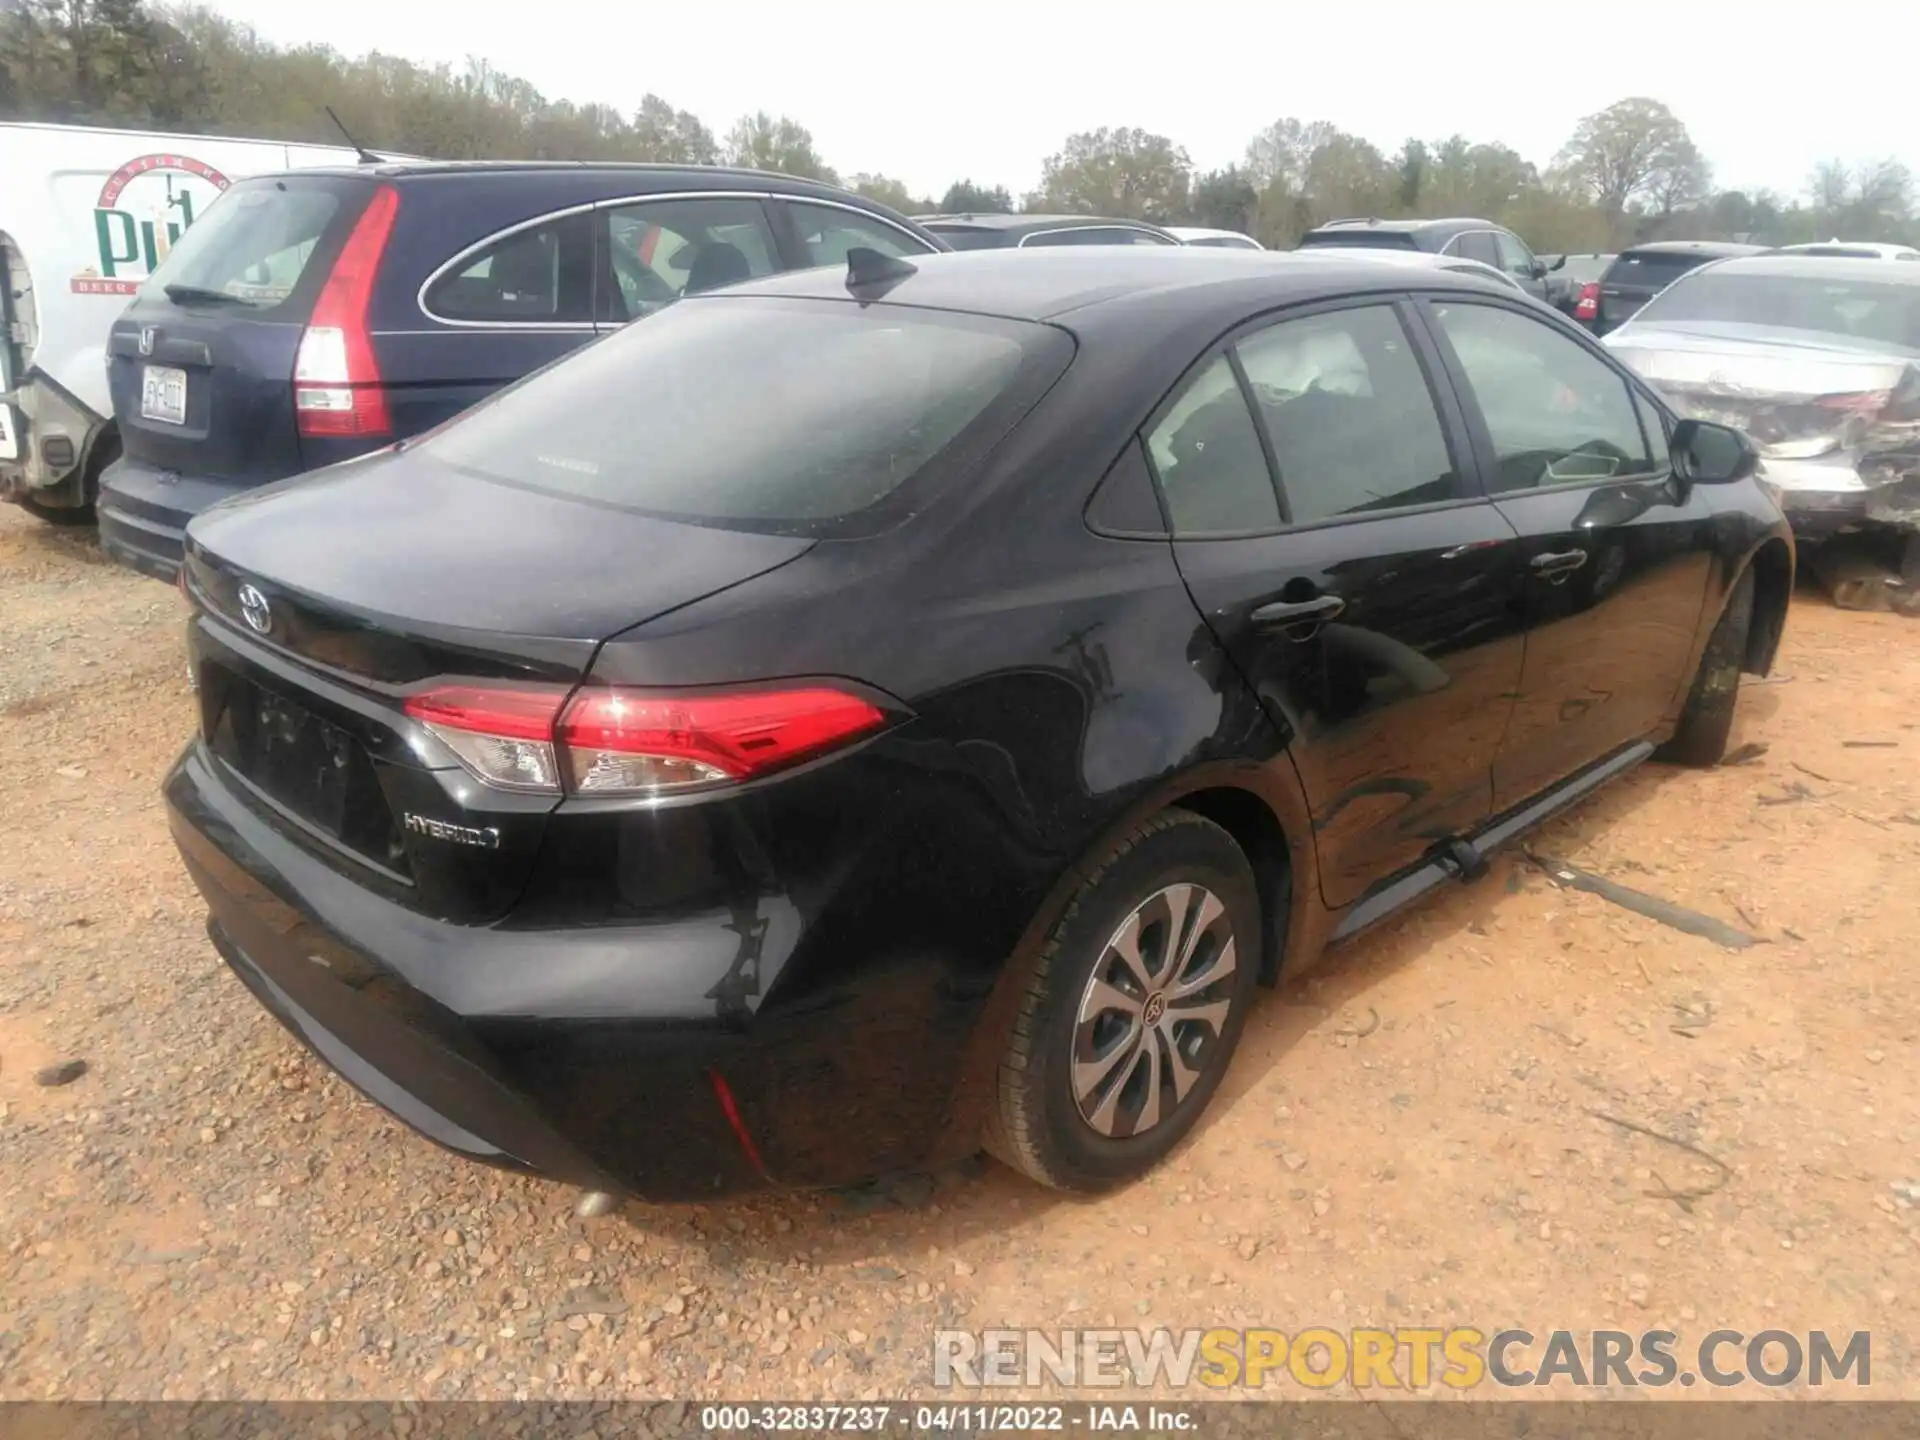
1294, 612
1558, 562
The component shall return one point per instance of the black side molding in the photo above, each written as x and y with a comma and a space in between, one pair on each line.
1465, 859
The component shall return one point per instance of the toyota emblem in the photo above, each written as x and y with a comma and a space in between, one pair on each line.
148, 334
255, 610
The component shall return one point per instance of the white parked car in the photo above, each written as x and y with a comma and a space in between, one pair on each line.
85, 216
1218, 239
1817, 359
1852, 250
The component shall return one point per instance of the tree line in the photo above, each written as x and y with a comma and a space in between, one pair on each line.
1627, 173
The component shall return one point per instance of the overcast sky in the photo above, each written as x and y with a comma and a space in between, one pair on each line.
930, 92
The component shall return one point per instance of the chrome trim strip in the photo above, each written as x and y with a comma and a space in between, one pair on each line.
615, 202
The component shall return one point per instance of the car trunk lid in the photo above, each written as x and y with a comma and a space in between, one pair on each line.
446, 570
304, 693
1797, 394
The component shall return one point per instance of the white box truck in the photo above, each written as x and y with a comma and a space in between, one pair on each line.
85, 215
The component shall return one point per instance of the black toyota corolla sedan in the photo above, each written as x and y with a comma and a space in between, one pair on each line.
858, 716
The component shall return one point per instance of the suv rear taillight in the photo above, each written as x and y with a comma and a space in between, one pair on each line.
615, 742
336, 381
1586, 305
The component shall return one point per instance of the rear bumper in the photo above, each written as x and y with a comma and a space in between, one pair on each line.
54, 439
1825, 497
569, 1054
143, 514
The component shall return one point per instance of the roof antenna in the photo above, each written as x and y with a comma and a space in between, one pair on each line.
869, 270
367, 157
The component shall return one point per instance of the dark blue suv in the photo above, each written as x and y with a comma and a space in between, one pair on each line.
318, 315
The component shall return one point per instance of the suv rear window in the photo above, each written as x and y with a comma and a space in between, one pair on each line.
1366, 239
1651, 269
1584, 269
1093, 235
258, 240
969, 237
761, 413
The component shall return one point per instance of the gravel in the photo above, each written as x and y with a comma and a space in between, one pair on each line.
207, 1213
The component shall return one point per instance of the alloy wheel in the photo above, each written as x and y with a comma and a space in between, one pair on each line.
1153, 1012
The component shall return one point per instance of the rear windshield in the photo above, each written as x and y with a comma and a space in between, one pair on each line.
760, 413
1367, 239
969, 237
1653, 269
1839, 252
1585, 269
1225, 242
257, 240
1879, 312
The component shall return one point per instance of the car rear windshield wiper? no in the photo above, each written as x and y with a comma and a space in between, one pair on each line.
200, 295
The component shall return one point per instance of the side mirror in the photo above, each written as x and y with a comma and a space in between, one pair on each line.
1540, 269
1708, 454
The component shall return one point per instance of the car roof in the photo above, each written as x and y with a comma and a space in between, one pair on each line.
1409, 227
1814, 267
1028, 224
1860, 247
700, 176
1397, 255
1695, 247
1045, 284
1428, 259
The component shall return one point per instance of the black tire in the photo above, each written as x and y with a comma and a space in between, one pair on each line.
57, 514
1038, 1125
1707, 719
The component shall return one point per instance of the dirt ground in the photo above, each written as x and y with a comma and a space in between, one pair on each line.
1410, 1140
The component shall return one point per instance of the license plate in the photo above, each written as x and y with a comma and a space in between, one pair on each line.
296, 757
9, 436
163, 394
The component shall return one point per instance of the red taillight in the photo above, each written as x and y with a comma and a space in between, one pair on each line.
336, 380
622, 742
509, 714
503, 736
1587, 304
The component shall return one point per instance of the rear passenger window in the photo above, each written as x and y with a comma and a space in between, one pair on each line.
1477, 245
1206, 453
1515, 259
1348, 410
541, 275
659, 250
829, 233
